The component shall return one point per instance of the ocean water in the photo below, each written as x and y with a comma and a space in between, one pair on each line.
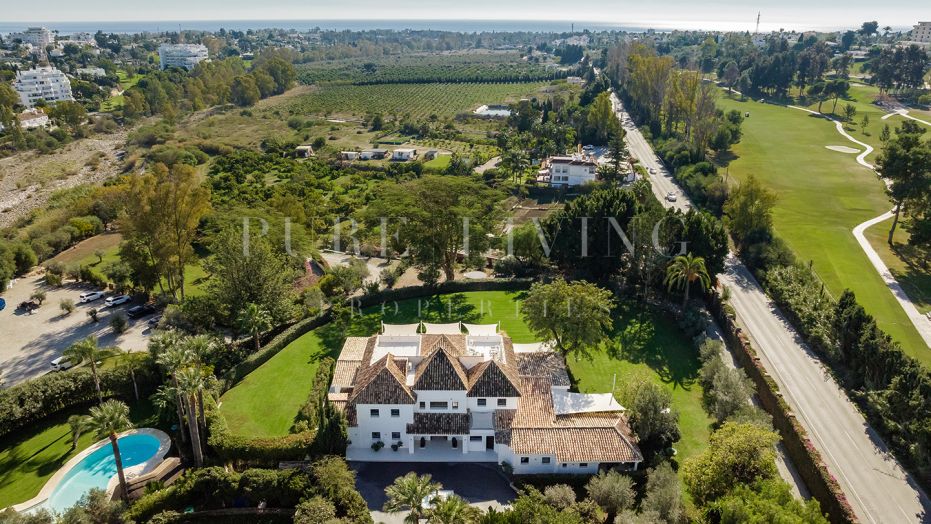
463, 26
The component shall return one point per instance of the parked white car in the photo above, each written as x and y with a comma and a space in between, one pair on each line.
61, 364
670, 196
117, 300
90, 296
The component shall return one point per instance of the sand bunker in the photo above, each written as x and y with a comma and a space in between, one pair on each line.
843, 149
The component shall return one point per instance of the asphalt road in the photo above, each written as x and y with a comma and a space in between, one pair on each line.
877, 487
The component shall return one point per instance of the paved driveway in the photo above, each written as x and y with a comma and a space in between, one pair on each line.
29, 342
480, 484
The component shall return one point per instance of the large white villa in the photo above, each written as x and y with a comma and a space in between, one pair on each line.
428, 392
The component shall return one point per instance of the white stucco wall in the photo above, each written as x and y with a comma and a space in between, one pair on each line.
385, 424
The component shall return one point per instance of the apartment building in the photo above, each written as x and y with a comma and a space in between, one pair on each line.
181, 55
42, 83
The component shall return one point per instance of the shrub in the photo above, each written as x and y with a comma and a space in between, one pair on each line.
245, 451
36, 399
67, 306
119, 324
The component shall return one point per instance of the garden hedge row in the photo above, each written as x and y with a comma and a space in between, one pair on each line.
806, 458
255, 452
34, 400
213, 489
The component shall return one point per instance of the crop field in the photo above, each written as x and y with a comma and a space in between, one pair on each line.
448, 68
417, 100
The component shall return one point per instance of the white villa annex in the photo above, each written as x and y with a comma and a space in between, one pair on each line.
444, 396
570, 171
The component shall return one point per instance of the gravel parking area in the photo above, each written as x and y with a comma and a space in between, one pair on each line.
31, 341
480, 484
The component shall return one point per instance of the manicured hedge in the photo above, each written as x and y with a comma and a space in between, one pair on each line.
806, 458
212, 490
36, 399
262, 452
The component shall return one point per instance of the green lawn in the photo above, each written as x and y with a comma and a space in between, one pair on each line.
823, 195
31, 456
643, 345
904, 262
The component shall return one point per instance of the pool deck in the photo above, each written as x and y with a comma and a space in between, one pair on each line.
132, 472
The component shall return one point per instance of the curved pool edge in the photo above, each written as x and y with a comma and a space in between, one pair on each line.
164, 446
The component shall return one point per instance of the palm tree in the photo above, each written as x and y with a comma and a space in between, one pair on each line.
77, 424
107, 420
174, 357
128, 362
200, 347
685, 270
253, 319
86, 351
409, 492
190, 382
453, 510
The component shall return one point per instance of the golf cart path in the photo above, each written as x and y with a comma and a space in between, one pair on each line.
922, 323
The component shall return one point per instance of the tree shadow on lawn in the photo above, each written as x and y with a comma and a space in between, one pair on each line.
642, 335
437, 308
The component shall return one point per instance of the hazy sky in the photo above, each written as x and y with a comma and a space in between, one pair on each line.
717, 14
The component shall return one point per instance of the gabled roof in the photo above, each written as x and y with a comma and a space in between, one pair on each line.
547, 364
381, 383
491, 379
441, 370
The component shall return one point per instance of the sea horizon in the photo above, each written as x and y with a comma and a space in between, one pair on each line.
460, 26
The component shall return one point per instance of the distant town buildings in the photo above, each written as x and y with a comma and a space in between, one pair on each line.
83, 39
42, 83
92, 71
181, 55
922, 33
39, 37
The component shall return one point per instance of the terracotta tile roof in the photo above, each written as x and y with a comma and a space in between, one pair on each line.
441, 370
354, 348
381, 383
493, 379
503, 420
544, 364
598, 437
439, 424
456, 344
344, 373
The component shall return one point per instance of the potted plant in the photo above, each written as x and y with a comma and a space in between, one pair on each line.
376, 446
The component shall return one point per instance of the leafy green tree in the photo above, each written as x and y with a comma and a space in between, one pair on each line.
444, 215
316, 510
663, 494
107, 420
86, 351
601, 119
560, 496
736, 454
904, 163
38, 296
685, 270
260, 275
515, 162
408, 492
254, 320
575, 316
767, 501
244, 91
612, 491
850, 111
649, 408
749, 212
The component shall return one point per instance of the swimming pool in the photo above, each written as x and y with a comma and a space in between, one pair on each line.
96, 469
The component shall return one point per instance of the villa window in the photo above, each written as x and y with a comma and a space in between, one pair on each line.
525, 460
546, 460
583, 464
423, 405
455, 405
376, 435
439, 405
475, 438
502, 402
395, 435
564, 464
395, 412
373, 413
482, 401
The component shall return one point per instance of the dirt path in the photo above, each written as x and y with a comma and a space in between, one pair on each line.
28, 179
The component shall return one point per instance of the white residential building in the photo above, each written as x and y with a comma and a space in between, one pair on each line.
444, 396
181, 55
572, 170
32, 118
95, 72
42, 83
403, 155
39, 37
922, 33
83, 38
